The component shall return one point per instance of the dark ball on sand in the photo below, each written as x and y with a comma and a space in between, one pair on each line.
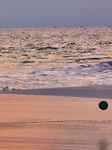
103, 105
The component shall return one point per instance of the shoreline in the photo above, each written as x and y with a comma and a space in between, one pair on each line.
104, 91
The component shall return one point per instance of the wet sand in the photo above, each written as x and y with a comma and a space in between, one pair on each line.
54, 122
89, 91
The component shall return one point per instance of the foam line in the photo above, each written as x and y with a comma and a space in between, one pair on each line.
54, 121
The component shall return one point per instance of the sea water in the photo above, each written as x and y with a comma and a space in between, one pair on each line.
55, 57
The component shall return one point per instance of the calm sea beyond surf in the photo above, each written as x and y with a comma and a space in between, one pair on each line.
55, 57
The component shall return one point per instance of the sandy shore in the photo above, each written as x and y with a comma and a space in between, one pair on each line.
37, 121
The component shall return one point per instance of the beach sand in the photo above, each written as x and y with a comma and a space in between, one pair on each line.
45, 122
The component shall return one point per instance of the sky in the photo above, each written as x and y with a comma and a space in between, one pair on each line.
51, 13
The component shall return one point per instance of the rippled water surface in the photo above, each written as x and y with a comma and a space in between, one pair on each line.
55, 57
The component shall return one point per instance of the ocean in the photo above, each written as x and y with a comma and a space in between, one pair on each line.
33, 58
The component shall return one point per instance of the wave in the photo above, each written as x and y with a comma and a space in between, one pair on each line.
45, 48
105, 65
88, 69
27, 61
105, 43
93, 58
71, 75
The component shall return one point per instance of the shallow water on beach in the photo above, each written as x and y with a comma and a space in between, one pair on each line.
55, 57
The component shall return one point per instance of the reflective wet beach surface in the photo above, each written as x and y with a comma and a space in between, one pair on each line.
57, 135
54, 122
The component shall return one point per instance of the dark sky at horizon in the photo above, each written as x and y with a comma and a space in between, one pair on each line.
50, 13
